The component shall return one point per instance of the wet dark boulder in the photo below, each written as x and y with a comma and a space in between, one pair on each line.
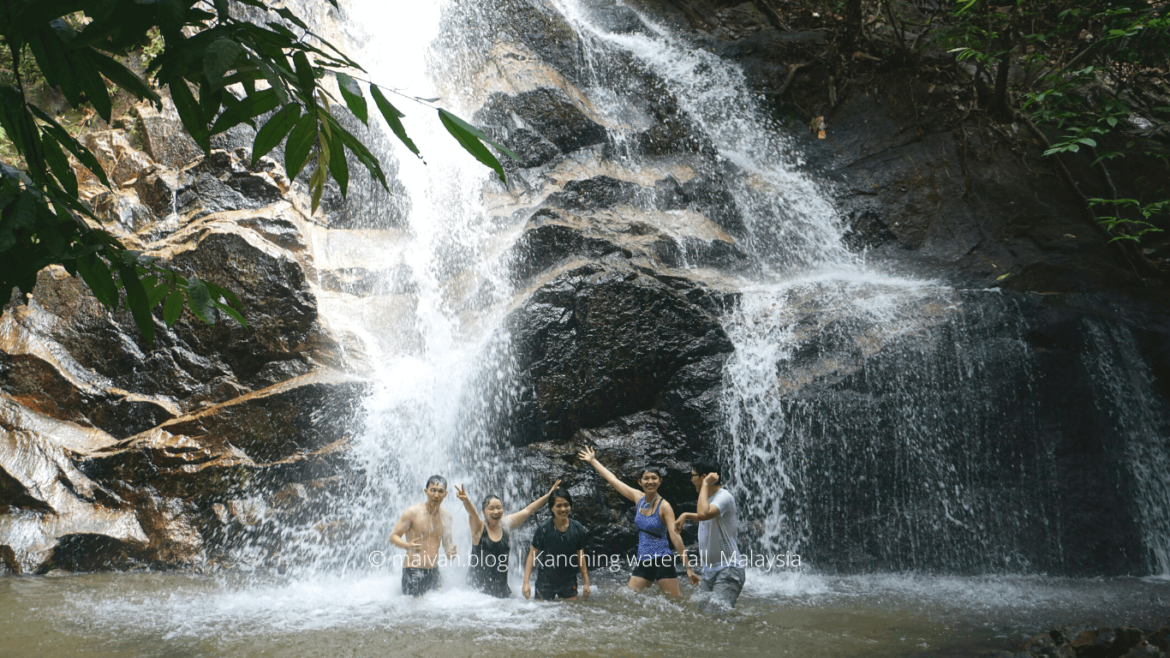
598, 343
541, 29
594, 193
533, 119
547, 244
615, 18
45, 498
105, 348
188, 456
271, 284
532, 149
38, 381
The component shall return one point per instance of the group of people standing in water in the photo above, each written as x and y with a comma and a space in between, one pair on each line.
558, 545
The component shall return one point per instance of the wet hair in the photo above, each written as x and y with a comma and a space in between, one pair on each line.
435, 479
657, 470
559, 493
704, 467
489, 498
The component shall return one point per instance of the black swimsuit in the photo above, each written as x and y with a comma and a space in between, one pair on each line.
489, 570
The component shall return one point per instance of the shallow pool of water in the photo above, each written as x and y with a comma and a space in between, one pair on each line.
796, 614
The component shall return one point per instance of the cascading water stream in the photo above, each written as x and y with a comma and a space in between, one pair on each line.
824, 345
930, 418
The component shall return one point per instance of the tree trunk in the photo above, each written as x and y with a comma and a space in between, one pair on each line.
999, 102
852, 26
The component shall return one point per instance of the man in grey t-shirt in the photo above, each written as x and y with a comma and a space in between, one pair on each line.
719, 558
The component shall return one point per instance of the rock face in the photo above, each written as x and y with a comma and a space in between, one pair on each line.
636, 232
115, 452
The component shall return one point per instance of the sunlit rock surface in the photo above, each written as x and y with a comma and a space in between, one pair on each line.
93, 474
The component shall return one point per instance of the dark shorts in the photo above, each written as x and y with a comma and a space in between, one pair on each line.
549, 591
656, 568
416, 582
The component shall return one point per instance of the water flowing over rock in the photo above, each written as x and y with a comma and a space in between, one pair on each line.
904, 347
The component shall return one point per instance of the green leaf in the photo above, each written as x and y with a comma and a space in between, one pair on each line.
24, 213
220, 57
352, 94
217, 292
91, 82
300, 143
173, 308
305, 76
317, 185
190, 114
292, 18
156, 293
97, 276
124, 77
22, 130
59, 164
273, 132
199, 299
337, 163
253, 105
274, 80
470, 138
232, 313
1088, 142
392, 116
63, 138
363, 155
138, 302
53, 60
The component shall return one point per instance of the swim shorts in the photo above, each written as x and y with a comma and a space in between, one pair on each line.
416, 582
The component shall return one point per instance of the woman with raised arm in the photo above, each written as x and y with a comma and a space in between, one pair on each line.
490, 550
655, 522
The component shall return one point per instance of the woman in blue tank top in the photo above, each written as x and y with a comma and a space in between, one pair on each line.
655, 521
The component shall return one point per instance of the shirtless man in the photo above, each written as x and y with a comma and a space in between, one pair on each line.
420, 531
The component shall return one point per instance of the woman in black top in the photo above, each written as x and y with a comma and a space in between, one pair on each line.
490, 550
559, 548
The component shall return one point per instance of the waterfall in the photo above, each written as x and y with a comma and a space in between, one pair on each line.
871, 421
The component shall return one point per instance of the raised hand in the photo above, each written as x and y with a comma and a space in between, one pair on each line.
461, 493
587, 455
711, 480
553, 488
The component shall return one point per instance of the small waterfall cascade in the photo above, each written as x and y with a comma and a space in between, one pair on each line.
871, 422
